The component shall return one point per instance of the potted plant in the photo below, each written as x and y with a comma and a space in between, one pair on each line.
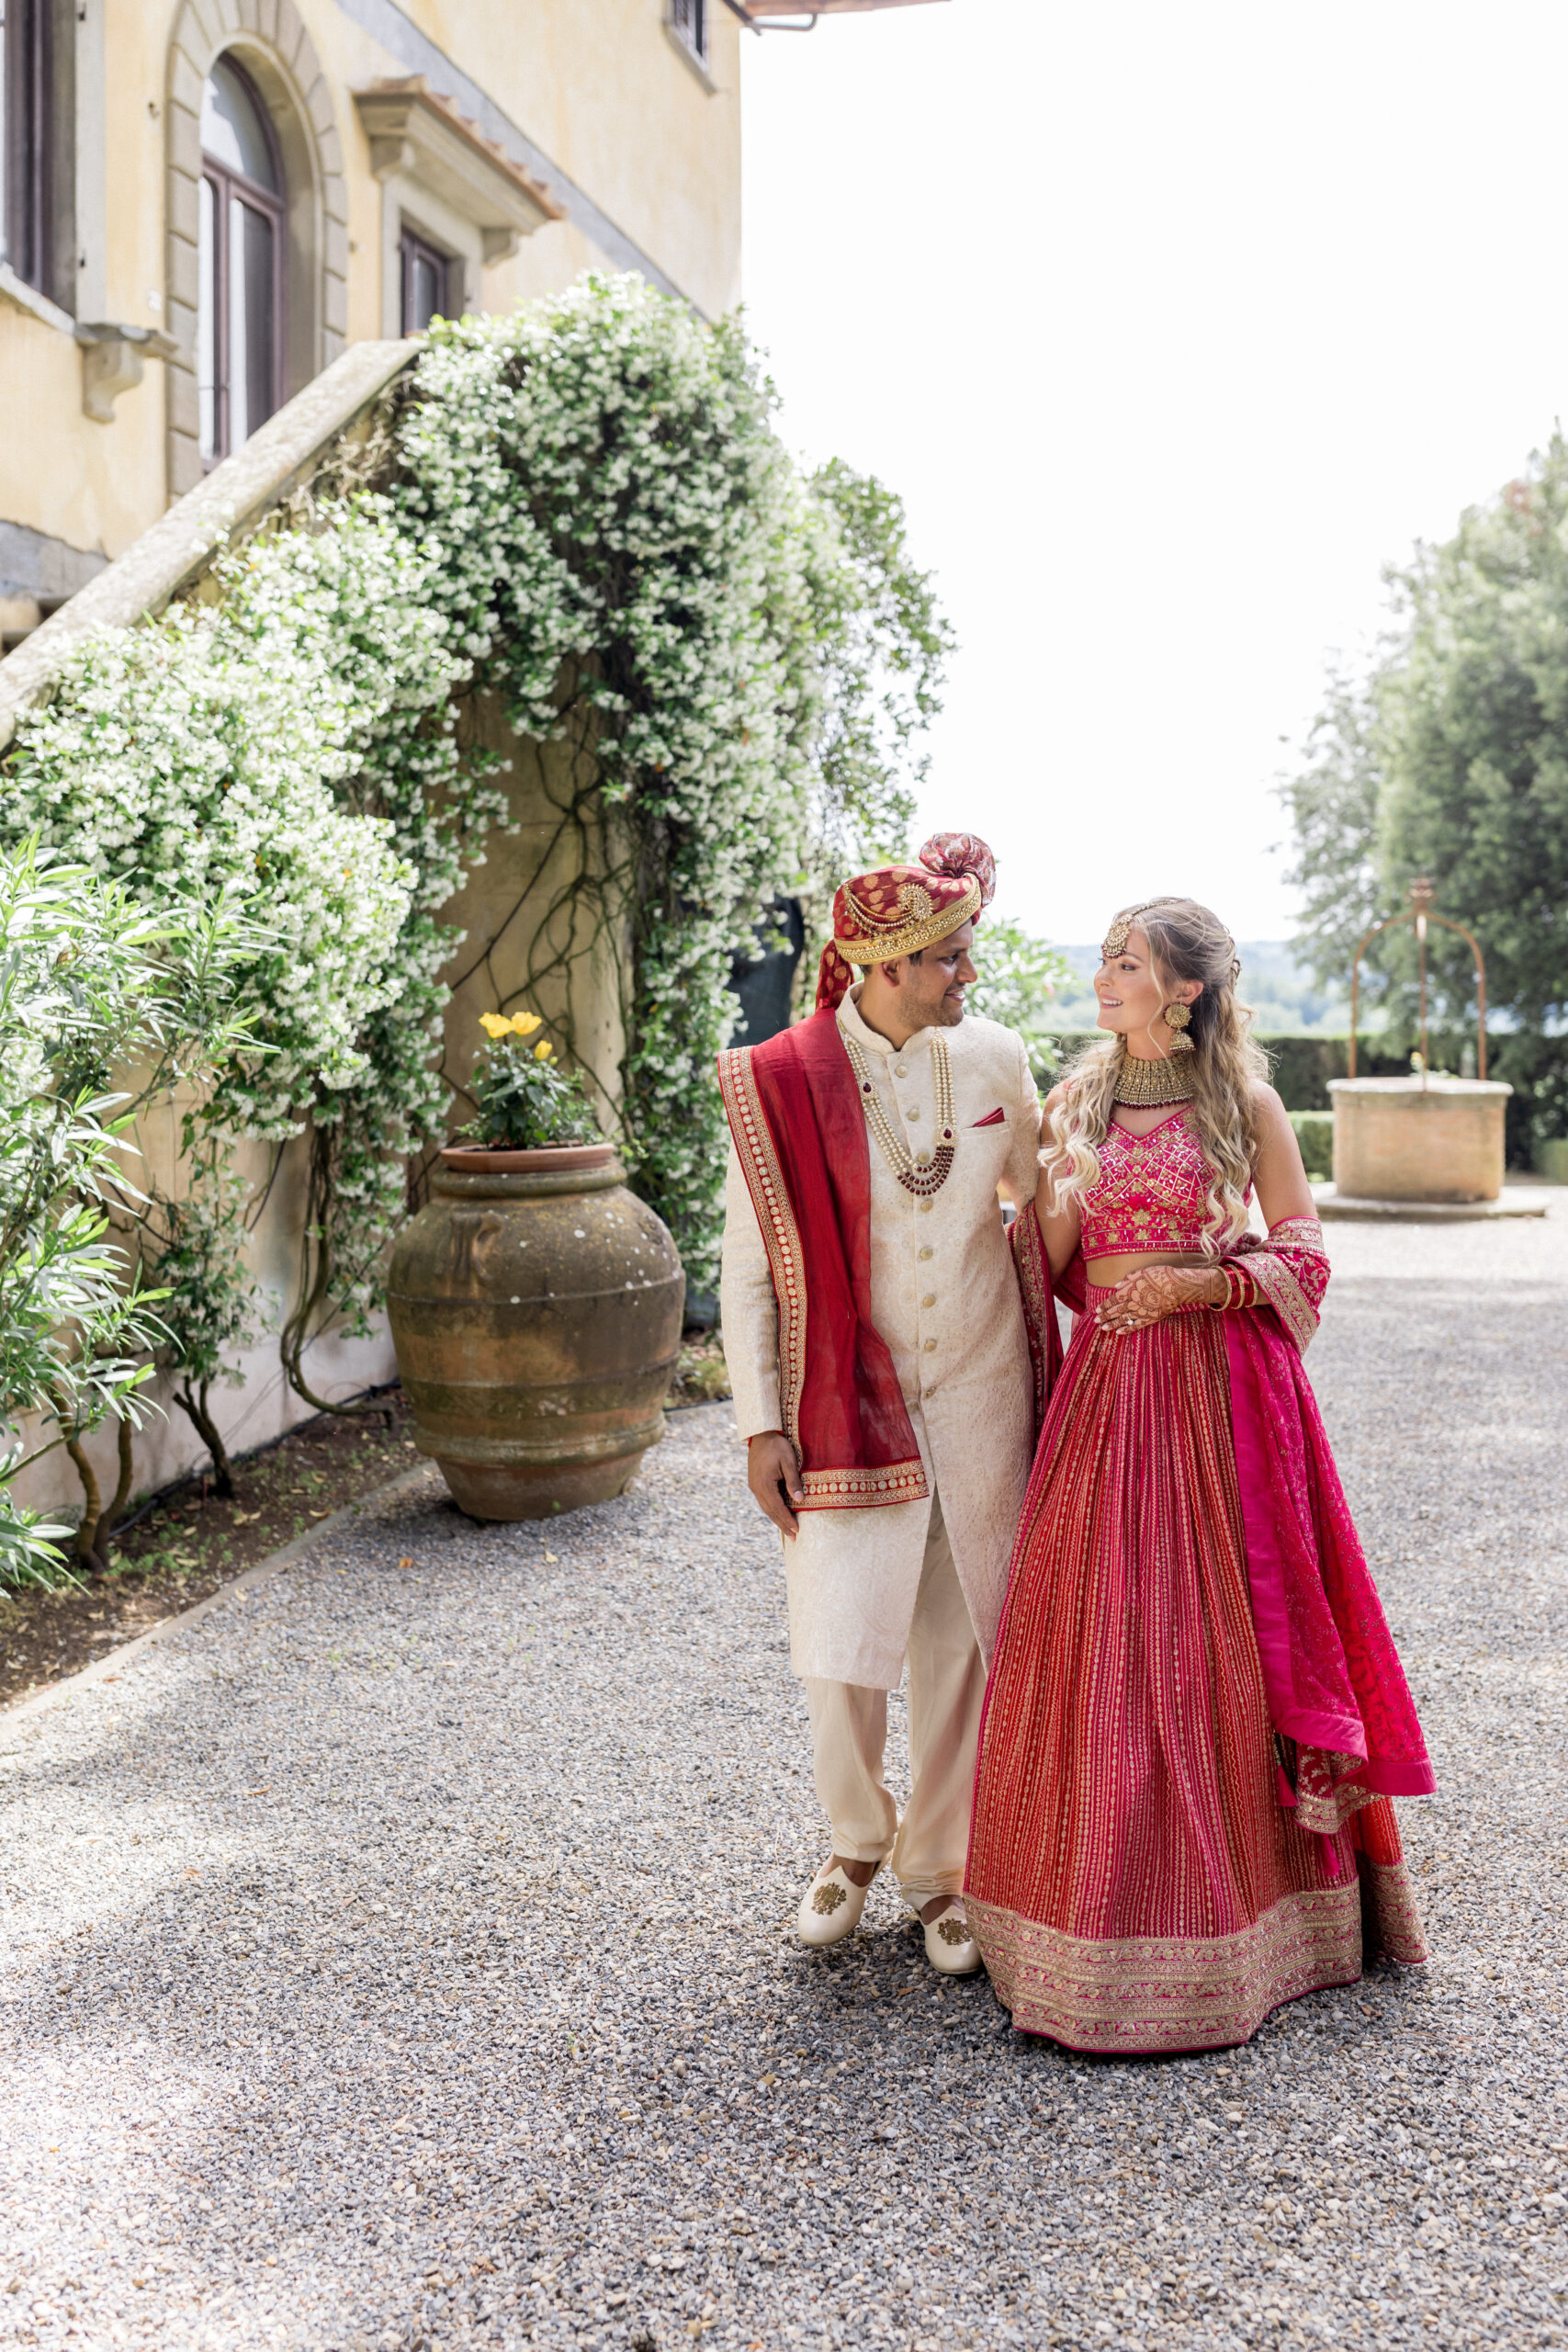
525, 1101
535, 1304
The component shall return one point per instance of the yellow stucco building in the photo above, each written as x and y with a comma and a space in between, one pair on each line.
204, 203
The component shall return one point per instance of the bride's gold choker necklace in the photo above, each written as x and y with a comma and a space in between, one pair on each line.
1143, 1086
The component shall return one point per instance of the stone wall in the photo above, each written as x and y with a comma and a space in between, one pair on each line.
532, 937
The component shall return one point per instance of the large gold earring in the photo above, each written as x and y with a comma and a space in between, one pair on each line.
1176, 1018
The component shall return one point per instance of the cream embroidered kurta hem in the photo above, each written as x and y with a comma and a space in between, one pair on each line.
945, 1298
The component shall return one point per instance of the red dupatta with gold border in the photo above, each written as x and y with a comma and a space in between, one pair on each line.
799, 1129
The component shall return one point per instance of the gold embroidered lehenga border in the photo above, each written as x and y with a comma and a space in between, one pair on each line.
1391, 1916
1169, 1993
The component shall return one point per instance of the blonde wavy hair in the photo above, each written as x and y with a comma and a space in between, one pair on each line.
1186, 942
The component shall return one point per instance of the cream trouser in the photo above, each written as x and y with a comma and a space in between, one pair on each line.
849, 1734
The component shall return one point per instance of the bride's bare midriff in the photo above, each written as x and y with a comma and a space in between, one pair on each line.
1104, 1273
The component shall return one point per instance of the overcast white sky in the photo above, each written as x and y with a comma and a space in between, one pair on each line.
1172, 326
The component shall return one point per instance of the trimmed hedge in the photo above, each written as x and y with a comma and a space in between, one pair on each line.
1314, 1133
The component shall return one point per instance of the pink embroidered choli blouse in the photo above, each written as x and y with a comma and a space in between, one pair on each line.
1151, 1193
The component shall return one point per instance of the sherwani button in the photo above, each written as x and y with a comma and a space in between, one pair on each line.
929, 1345
899, 1071
924, 1208
927, 1251
913, 1112
929, 1300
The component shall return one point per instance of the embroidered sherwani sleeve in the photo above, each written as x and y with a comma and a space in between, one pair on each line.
749, 1309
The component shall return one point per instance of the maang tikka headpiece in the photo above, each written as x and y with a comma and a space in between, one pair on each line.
1115, 939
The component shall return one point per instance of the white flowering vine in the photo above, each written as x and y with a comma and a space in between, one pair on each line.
587, 509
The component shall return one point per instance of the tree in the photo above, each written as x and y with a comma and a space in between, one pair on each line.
1334, 806
91, 983
1449, 759
882, 645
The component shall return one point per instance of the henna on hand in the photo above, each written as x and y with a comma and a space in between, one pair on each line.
1155, 1292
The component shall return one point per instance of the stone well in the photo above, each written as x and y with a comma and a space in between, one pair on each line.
1405, 1139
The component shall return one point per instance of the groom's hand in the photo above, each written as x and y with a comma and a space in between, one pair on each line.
772, 1472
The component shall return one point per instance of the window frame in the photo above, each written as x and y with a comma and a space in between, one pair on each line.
226, 183
414, 244
688, 22
38, 94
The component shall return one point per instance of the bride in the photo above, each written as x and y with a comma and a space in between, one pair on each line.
1196, 1715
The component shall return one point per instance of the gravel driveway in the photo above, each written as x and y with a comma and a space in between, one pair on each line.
399, 1957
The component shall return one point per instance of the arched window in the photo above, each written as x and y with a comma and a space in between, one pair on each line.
239, 352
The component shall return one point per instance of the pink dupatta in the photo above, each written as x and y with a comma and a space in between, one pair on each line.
1330, 1667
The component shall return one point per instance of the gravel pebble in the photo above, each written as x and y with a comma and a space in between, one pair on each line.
400, 1957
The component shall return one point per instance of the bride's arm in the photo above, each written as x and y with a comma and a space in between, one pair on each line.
1059, 1226
1278, 1176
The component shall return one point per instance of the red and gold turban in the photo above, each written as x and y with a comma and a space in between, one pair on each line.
899, 909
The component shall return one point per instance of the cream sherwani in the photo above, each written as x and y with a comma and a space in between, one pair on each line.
945, 1298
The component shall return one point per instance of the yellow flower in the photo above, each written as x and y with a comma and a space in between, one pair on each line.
542, 1050
495, 1024
524, 1024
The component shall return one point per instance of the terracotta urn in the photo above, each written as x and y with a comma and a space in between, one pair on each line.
535, 1306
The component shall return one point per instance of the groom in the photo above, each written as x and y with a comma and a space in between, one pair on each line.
880, 1365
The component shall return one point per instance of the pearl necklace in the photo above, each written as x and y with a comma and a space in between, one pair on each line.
1145, 1086
920, 1172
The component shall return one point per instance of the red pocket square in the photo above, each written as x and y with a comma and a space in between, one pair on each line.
992, 1118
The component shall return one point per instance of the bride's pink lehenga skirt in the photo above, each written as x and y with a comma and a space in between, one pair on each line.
1135, 1882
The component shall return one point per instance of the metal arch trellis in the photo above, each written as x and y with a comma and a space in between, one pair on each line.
1420, 912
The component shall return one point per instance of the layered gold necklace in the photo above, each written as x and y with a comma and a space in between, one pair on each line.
1145, 1086
920, 1172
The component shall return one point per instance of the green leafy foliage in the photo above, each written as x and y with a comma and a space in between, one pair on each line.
882, 646
632, 557
525, 1098
1449, 759
1333, 804
1314, 1133
278, 753
89, 981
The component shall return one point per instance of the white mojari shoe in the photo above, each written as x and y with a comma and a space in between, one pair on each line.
831, 1908
949, 1947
